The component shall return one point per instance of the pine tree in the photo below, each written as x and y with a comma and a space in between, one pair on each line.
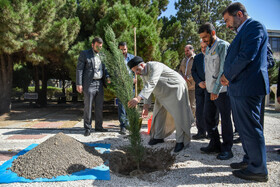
37, 32
123, 84
191, 14
122, 16
16, 26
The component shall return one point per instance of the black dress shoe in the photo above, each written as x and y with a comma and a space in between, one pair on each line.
155, 141
239, 165
237, 140
199, 136
225, 155
101, 130
87, 132
123, 131
247, 175
178, 147
210, 149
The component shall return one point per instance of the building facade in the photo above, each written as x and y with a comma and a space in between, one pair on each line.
274, 41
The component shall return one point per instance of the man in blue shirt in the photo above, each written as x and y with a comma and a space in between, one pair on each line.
121, 110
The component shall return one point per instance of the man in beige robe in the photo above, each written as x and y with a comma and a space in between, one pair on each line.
171, 109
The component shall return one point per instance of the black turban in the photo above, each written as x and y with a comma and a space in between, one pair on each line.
134, 62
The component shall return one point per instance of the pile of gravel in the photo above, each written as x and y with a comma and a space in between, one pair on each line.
58, 155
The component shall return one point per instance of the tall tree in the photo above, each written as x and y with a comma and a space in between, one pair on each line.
16, 26
191, 14
122, 16
36, 32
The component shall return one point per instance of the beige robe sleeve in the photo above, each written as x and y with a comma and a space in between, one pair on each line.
150, 83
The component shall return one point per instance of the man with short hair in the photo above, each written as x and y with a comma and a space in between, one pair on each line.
246, 76
124, 123
171, 109
91, 76
216, 99
185, 71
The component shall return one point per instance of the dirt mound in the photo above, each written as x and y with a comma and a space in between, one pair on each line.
59, 155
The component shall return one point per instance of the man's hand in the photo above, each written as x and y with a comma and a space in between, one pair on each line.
145, 111
202, 85
278, 99
133, 102
79, 88
134, 81
224, 80
214, 96
186, 79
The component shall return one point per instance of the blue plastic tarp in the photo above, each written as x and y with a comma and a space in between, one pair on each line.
97, 173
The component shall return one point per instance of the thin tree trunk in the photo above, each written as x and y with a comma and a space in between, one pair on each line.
42, 95
6, 79
63, 99
36, 79
74, 92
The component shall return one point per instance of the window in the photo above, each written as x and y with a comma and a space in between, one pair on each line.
275, 44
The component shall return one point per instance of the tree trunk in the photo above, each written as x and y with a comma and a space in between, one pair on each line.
74, 92
42, 95
63, 99
36, 79
6, 80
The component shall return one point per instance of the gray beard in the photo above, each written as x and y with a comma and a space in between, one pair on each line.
144, 72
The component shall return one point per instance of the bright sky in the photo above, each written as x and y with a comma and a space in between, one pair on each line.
265, 11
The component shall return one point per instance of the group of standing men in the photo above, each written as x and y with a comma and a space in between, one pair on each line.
224, 78
203, 72
235, 79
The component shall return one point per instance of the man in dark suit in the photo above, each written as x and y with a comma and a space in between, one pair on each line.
91, 76
198, 74
245, 73
270, 64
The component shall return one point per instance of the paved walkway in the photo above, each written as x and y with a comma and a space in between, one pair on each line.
27, 124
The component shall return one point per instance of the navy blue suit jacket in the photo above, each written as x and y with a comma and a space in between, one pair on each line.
246, 61
198, 71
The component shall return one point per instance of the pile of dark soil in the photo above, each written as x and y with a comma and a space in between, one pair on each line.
122, 162
59, 155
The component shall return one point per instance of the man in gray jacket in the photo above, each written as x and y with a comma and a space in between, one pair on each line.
171, 109
91, 76
216, 98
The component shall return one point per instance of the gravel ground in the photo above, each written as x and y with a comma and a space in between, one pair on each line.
191, 167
